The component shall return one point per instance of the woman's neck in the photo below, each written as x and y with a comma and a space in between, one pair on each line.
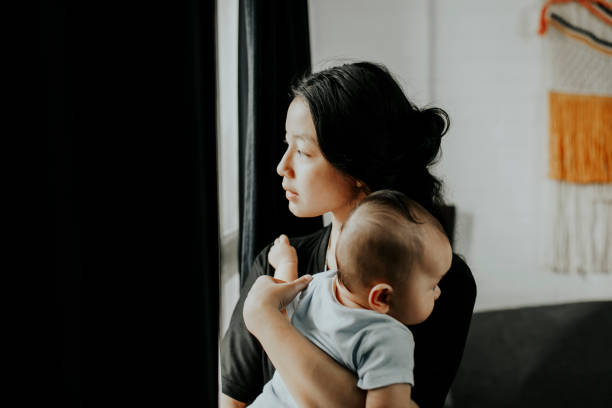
339, 216
333, 241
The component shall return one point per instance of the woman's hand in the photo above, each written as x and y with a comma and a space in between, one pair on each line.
267, 297
312, 377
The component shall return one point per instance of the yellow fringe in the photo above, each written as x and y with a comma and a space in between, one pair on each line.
580, 138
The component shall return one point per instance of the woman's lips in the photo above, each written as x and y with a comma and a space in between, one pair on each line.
291, 196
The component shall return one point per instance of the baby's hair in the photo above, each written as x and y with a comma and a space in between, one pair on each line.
382, 240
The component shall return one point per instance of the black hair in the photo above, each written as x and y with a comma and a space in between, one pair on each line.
369, 130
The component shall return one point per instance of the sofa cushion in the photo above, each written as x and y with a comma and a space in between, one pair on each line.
545, 356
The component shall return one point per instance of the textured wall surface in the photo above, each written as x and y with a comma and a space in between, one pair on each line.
482, 61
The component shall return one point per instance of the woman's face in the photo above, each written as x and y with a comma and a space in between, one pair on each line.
313, 186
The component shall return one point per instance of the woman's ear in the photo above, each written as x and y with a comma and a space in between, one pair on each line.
360, 189
379, 297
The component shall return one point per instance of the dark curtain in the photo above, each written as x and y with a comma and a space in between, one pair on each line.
128, 96
274, 49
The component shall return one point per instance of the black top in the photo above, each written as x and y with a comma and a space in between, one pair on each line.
439, 341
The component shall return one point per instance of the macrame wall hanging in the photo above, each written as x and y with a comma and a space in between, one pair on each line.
578, 38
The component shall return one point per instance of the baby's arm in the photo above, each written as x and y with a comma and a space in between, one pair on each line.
394, 395
283, 258
385, 364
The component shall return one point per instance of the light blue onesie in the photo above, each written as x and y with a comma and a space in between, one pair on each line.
378, 348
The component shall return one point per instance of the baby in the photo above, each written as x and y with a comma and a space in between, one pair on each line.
391, 254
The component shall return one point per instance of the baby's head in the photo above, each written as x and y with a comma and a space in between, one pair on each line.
391, 254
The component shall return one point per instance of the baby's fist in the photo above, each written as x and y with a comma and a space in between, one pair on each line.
281, 252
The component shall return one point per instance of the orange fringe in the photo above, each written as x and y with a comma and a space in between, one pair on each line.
585, 3
580, 138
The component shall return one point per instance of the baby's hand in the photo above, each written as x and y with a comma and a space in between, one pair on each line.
281, 252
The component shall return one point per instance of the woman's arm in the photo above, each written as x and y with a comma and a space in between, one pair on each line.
311, 376
245, 367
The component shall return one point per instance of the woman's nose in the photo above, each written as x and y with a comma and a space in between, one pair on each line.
283, 168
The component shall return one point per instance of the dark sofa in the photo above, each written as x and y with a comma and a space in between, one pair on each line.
546, 356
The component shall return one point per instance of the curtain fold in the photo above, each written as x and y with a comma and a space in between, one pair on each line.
130, 119
274, 50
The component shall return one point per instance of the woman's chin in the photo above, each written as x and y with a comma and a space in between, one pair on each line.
295, 210
300, 212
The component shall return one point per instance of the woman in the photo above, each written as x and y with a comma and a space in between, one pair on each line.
350, 131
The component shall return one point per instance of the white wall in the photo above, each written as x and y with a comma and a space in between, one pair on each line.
393, 32
480, 60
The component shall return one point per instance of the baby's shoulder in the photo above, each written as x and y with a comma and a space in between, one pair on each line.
320, 284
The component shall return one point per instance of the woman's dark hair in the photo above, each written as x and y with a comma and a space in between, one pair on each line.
368, 129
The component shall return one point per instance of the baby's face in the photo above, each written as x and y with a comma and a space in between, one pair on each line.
413, 303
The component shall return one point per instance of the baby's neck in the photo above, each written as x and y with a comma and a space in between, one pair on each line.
348, 298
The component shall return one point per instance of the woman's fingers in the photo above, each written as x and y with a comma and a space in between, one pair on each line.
289, 290
286, 291
301, 283
269, 295
276, 292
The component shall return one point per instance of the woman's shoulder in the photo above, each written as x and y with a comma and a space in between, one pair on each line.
460, 277
459, 264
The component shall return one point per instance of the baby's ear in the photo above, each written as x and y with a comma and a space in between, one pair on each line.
380, 297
